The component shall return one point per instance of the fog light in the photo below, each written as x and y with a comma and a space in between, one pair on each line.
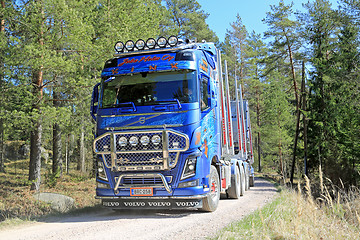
192, 183
102, 185
122, 141
145, 140
156, 140
134, 141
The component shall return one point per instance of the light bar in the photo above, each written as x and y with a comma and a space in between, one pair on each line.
150, 43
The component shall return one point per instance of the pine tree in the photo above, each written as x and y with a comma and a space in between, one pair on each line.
189, 20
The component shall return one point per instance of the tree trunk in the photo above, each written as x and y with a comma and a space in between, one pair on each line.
2, 160
36, 133
258, 126
57, 146
81, 161
35, 156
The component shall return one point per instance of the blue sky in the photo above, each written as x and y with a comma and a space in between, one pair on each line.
223, 12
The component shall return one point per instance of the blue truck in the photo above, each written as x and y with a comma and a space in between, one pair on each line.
167, 134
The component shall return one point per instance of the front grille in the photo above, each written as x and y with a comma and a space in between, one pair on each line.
143, 181
140, 157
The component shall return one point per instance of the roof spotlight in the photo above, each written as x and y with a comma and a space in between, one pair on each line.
140, 44
172, 41
129, 45
161, 42
119, 46
151, 43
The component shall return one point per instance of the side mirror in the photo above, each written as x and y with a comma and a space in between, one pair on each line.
94, 101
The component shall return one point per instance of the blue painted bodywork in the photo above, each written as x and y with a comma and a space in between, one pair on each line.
201, 126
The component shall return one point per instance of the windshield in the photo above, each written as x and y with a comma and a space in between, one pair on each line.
150, 89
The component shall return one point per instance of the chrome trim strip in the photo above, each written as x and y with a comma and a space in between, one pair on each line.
142, 127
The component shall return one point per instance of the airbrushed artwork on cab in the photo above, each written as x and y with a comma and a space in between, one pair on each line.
208, 134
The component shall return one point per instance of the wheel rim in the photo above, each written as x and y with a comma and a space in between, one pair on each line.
214, 188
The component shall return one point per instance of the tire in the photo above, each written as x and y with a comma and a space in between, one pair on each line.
234, 190
211, 202
251, 181
247, 180
242, 182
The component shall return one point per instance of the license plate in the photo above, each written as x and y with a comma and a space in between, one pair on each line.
141, 192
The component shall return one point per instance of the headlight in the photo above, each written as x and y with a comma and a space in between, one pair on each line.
144, 140
122, 141
101, 173
156, 139
189, 168
133, 141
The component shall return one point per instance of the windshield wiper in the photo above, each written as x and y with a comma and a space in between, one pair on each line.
125, 103
171, 100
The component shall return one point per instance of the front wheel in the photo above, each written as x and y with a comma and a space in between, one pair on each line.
211, 202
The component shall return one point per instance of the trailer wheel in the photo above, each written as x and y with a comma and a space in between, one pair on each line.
243, 179
247, 180
234, 190
251, 181
211, 202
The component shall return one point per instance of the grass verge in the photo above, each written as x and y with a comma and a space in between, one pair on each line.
293, 215
17, 204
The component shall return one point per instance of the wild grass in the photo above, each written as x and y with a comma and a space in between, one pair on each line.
17, 203
297, 214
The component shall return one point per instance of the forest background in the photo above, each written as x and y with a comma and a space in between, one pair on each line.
301, 78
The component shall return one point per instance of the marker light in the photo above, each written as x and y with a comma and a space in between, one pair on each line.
161, 42
119, 47
172, 41
129, 45
140, 44
150, 43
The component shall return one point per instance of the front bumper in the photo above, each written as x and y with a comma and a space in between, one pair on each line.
181, 202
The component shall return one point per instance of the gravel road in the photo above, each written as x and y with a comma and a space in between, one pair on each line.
179, 224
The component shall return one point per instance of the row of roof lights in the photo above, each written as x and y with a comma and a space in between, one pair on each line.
151, 43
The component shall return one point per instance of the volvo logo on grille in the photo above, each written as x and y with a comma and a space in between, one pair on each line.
142, 120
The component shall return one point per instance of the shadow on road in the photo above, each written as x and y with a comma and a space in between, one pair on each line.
99, 213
